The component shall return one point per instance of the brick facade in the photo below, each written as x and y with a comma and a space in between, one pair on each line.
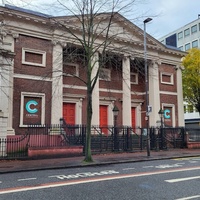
42, 69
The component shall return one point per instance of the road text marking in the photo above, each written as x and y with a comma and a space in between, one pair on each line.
84, 174
92, 180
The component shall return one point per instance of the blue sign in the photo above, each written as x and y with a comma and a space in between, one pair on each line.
167, 114
28, 106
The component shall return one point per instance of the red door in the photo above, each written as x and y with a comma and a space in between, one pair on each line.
133, 114
69, 113
104, 118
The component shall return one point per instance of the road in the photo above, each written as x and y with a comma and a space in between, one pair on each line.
176, 179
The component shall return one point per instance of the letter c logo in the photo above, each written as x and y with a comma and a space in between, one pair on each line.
167, 114
28, 106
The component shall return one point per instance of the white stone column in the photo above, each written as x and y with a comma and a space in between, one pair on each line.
3, 133
95, 94
180, 106
126, 110
154, 93
6, 80
57, 84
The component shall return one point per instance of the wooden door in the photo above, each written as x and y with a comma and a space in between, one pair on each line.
133, 115
104, 118
69, 113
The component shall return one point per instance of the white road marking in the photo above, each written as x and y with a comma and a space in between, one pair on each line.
91, 180
193, 161
182, 179
84, 174
148, 166
0, 181
186, 198
128, 168
169, 166
27, 179
187, 158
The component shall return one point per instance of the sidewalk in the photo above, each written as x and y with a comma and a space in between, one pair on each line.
8, 166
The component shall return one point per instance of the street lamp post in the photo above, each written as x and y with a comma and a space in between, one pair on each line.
146, 87
161, 114
115, 113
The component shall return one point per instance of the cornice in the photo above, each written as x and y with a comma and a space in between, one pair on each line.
23, 16
52, 24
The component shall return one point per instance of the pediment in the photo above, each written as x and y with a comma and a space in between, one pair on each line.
121, 29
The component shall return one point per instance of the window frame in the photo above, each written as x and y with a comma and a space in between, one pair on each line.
180, 35
107, 72
194, 30
37, 95
136, 78
76, 68
193, 43
188, 45
186, 32
43, 53
167, 74
180, 48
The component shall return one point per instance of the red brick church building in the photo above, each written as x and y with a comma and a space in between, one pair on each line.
39, 83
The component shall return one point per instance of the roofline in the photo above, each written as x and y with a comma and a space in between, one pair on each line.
175, 31
46, 19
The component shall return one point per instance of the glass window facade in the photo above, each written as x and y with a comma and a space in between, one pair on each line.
181, 48
180, 35
187, 46
186, 32
194, 29
195, 44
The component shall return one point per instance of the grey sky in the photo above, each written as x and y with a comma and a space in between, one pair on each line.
172, 14
167, 15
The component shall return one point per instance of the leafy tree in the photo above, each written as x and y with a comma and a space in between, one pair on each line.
191, 78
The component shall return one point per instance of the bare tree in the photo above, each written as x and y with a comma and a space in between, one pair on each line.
92, 26
96, 22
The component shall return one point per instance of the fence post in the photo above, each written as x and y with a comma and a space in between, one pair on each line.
3, 133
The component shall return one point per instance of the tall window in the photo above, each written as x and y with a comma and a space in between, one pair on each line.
180, 35
195, 44
194, 29
187, 46
187, 32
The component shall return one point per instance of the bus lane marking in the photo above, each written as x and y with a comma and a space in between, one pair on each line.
91, 180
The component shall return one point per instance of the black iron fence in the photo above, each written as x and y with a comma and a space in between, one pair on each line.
14, 146
103, 139
109, 139
193, 134
163, 138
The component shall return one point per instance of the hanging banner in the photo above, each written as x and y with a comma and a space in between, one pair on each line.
32, 110
168, 116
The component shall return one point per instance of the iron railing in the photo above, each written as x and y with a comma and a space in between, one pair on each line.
193, 134
103, 139
167, 137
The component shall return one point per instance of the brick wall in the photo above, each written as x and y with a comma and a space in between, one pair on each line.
28, 84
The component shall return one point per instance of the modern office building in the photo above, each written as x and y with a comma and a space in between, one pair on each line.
185, 38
